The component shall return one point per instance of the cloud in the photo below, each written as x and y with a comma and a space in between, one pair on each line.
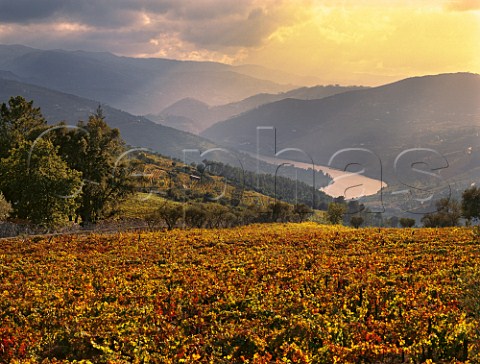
236, 30
219, 30
199, 9
101, 13
215, 24
25, 11
314, 36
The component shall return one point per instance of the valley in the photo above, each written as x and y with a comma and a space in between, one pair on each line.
239, 182
347, 184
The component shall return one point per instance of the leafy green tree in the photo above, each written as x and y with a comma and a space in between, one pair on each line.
34, 178
335, 212
471, 204
94, 149
39, 184
19, 121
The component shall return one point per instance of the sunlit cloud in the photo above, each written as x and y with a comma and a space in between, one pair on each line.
66, 27
349, 41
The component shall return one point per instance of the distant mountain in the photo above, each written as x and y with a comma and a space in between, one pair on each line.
440, 112
135, 130
194, 116
138, 131
139, 86
187, 114
7, 75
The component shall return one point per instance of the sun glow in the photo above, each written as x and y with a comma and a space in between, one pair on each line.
367, 42
370, 42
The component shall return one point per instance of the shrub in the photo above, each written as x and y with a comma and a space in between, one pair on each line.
407, 222
356, 221
335, 212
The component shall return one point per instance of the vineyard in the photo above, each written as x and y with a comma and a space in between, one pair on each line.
278, 293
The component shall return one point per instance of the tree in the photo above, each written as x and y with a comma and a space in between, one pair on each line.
280, 211
471, 204
39, 184
217, 215
195, 215
170, 213
448, 214
19, 121
34, 178
335, 212
252, 213
354, 207
393, 221
94, 149
302, 212
356, 221
407, 222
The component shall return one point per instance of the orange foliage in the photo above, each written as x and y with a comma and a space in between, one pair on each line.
298, 293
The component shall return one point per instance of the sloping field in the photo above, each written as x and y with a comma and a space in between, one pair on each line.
300, 293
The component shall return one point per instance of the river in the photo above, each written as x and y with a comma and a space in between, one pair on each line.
347, 184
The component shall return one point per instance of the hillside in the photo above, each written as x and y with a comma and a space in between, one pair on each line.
136, 130
139, 86
181, 182
195, 116
440, 112
301, 293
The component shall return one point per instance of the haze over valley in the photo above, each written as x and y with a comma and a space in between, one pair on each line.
260, 77
204, 105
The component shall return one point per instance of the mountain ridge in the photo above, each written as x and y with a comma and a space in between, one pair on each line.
57, 106
137, 131
137, 85
441, 112
195, 116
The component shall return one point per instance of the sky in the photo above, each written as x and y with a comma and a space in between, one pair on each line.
367, 42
